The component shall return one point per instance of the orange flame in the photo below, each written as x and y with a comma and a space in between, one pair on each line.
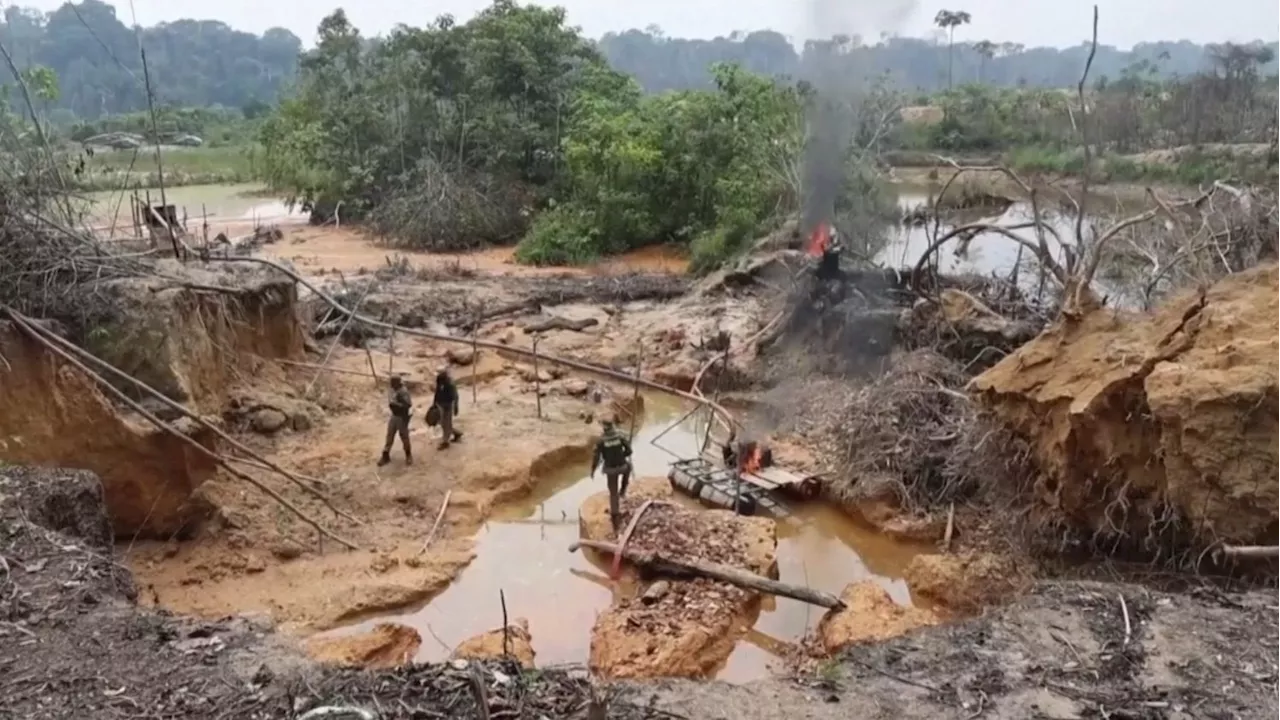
752, 459
818, 240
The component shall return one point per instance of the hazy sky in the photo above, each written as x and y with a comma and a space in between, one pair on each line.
1031, 22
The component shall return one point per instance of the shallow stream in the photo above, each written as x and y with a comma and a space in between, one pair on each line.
523, 552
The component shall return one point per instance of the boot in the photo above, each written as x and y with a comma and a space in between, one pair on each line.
386, 458
408, 458
457, 435
444, 444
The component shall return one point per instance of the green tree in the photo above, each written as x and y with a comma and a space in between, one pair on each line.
949, 20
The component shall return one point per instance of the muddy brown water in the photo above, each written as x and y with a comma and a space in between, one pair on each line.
523, 552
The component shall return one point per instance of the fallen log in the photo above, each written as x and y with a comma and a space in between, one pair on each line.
715, 571
559, 323
518, 307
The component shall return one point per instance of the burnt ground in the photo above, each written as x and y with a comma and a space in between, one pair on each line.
1062, 651
73, 644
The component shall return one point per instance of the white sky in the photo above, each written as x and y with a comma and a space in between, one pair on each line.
1030, 22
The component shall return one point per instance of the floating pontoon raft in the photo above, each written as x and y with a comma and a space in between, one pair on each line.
759, 492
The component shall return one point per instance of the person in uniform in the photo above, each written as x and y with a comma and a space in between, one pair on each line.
613, 450
401, 405
446, 399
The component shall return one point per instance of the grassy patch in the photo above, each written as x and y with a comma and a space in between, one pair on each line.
112, 169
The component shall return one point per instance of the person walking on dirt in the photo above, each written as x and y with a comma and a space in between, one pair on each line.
401, 405
446, 400
613, 449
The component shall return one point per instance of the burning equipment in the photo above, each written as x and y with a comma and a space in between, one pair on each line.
747, 456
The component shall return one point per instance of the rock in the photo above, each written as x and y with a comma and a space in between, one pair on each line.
1177, 408
267, 420
460, 356
654, 592
964, 582
254, 564
491, 644
387, 645
528, 375
869, 615
286, 549
577, 388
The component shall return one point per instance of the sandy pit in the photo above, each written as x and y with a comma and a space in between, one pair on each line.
521, 555
219, 547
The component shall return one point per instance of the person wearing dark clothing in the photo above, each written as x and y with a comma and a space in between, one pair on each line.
829, 264
446, 399
401, 405
613, 450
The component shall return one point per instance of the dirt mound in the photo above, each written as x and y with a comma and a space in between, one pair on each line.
869, 614
387, 645
52, 414
1152, 431
679, 628
965, 582
516, 642
191, 345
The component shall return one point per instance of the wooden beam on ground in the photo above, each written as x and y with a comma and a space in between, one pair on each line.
715, 571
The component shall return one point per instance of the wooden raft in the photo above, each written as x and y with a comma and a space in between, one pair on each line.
714, 486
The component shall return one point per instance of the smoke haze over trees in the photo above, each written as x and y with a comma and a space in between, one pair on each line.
94, 54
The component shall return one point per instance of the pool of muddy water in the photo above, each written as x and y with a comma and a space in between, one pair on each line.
523, 552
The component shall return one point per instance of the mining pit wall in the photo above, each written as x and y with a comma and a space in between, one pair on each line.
1155, 429
188, 345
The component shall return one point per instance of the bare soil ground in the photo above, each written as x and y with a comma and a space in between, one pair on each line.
256, 557
74, 643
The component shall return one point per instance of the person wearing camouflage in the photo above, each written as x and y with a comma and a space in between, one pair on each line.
401, 405
613, 449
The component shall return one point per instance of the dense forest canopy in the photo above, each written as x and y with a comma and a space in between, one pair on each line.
662, 63
200, 63
95, 57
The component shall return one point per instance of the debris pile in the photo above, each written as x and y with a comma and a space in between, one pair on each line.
914, 430
679, 628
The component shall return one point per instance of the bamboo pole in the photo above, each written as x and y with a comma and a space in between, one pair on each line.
635, 396
475, 357
537, 381
336, 339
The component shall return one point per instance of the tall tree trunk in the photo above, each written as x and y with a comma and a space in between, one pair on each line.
951, 55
